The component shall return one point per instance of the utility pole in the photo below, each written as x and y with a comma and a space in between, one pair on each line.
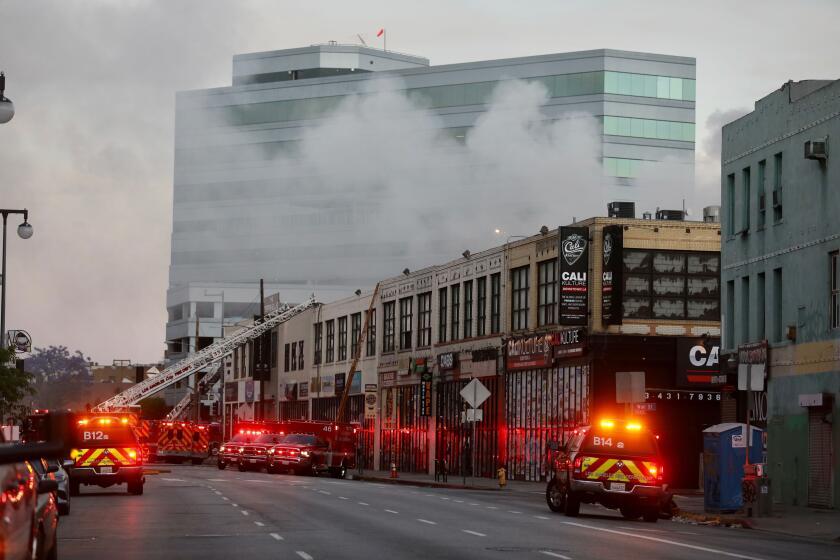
262, 383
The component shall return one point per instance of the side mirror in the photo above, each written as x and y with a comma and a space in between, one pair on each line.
47, 485
67, 463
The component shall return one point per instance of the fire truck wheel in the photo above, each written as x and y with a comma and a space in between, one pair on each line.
555, 497
630, 512
651, 515
221, 465
572, 506
341, 471
74, 488
135, 488
271, 469
242, 467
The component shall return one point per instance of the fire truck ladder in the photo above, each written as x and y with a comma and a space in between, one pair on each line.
203, 358
210, 380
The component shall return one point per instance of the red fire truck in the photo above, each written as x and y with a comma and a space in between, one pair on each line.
181, 441
313, 447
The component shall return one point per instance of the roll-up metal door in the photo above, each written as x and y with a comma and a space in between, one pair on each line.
819, 458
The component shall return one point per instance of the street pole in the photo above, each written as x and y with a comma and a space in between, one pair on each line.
262, 382
25, 232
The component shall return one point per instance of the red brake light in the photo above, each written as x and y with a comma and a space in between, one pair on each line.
578, 463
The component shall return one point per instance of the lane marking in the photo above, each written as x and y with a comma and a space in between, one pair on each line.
235, 505
244, 512
259, 523
216, 480
391, 511
342, 498
511, 511
475, 504
303, 555
325, 492
459, 501
217, 492
665, 541
225, 498
276, 537
173, 479
256, 480
363, 503
541, 517
444, 498
554, 554
476, 533
639, 529
492, 507
427, 521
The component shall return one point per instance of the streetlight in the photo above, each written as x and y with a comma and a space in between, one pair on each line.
7, 108
25, 232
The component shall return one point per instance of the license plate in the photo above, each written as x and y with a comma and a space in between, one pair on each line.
253, 460
284, 462
106, 470
618, 486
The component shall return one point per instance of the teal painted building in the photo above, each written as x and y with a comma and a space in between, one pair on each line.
780, 222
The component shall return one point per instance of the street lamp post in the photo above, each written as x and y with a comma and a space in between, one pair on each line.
25, 232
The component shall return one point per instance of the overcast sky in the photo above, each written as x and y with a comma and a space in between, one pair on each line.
89, 151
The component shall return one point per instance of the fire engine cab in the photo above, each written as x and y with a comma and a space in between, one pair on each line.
614, 463
312, 447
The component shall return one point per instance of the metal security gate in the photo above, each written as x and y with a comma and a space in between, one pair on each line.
542, 405
452, 437
819, 458
294, 410
404, 437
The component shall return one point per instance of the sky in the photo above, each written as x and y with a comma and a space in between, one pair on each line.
90, 149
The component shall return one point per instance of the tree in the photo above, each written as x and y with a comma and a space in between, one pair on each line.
56, 363
15, 385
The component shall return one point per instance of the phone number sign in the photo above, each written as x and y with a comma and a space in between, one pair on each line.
661, 395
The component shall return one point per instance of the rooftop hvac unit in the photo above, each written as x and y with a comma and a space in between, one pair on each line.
621, 209
816, 149
673, 215
711, 214
647, 216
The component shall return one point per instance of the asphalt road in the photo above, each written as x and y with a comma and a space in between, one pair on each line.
201, 512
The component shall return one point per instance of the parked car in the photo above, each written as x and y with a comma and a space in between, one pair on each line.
59, 469
45, 526
18, 505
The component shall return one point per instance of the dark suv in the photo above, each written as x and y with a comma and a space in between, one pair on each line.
615, 463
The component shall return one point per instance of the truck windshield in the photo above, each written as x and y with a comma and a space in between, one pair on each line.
301, 439
269, 438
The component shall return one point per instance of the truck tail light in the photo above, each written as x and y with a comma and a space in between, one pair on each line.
578, 463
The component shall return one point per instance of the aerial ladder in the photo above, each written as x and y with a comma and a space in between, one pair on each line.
202, 359
208, 383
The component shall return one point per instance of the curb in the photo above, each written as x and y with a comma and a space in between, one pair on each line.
421, 483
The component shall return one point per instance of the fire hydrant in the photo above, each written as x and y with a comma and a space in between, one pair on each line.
502, 474
394, 471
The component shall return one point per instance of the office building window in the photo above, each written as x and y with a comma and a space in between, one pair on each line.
330, 341
648, 128
468, 311
730, 204
355, 332
424, 319
388, 310
442, 310
547, 293
370, 339
777, 188
455, 311
481, 312
406, 313
671, 285
834, 289
495, 303
319, 332
745, 199
778, 319
294, 356
744, 319
761, 196
300, 354
342, 338
519, 298
286, 359
729, 320
760, 307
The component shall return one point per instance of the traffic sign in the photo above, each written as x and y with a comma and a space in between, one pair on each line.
475, 393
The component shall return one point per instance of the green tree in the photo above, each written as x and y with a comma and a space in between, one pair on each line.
15, 385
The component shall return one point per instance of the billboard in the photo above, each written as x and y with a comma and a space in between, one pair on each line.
612, 255
574, 275
698, 363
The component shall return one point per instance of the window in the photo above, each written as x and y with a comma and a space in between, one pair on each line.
388, 336
424, 319
205, 309
286, 357
342, 338
778, 319
496, 303
744, 320
761, 196
745, 199
519, 298
671, 285
355, 332
330, 341
319, 331
777, 188
760, 307
481, 314
294, 356
273, 345
405, 323
547, 293
729, 324
648, 128
622, 167
834, 262
468, 311
730, 204
370, 340
645, 85
455, 311
300, 354
442, 315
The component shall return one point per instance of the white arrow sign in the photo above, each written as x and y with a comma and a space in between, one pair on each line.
475, 393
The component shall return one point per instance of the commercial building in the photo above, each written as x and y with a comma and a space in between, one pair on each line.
780, 275
239, 215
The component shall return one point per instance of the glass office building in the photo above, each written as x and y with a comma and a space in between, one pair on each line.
239, 216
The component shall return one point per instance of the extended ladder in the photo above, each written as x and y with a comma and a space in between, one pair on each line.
203, 358
203, 385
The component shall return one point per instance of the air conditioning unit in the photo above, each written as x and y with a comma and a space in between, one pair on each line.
674, 215
711, 214
816, 149
777, 197
621, 209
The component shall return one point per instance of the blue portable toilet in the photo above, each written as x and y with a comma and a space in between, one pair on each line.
724, 451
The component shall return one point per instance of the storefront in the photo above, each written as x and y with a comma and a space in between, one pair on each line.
404, 415
547, 395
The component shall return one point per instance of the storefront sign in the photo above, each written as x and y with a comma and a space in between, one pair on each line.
530, 352
339, 383
249, 391
698, 363
682, 397
569, 343
426, 394
752, 366
574, 275
419, 365
232, 391
388, 378
370, 401
291, 391
611, 275
485, 355
447, 361
303, 390
356, 384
